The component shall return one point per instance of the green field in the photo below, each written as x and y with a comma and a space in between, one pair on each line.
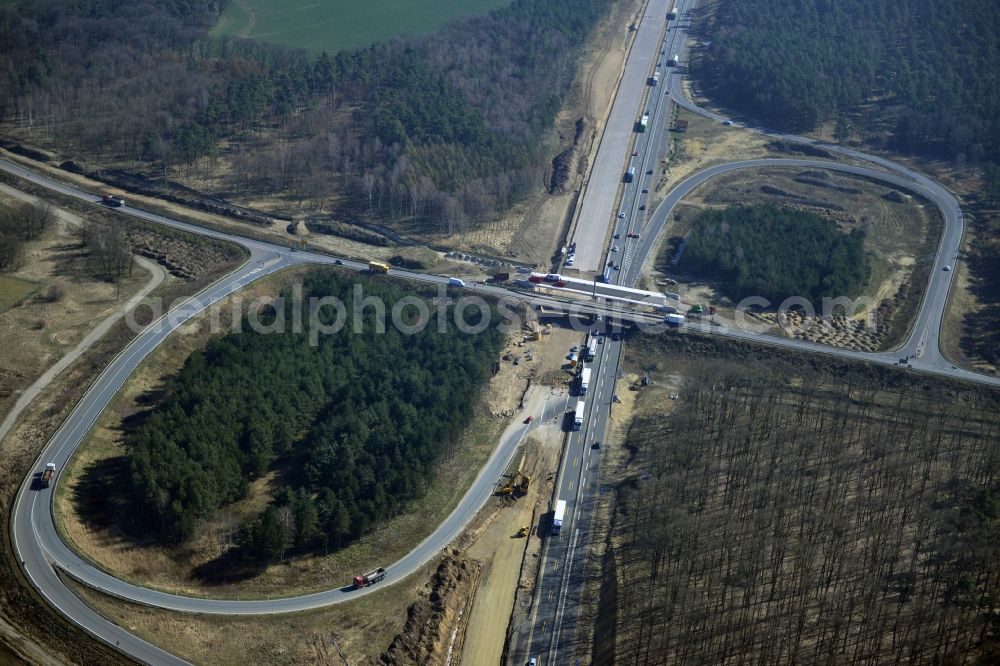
13, 291
334, 25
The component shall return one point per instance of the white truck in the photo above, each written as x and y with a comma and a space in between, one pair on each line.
578, 415
674, 320
584, 381
557, 517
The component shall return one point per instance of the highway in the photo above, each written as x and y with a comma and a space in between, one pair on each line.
601, 189
554, 619
42, 552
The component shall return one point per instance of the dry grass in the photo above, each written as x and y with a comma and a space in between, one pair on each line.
54, 301
362, 629
97, 536
901, 233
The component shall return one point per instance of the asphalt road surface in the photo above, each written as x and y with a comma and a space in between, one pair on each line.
42, 552
610, 163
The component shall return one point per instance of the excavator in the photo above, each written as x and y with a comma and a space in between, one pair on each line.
518, 483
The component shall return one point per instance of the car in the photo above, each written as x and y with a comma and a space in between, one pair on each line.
600, 317
621, 216
338, 262
632, 235
595, 445
645, 191
569, 262
600, 341
642, 207
649, 172
663, 53
635, 153
947, 268
532, 662
529, 419
614, 248
727, 123
574, 348
615, 337
617, 236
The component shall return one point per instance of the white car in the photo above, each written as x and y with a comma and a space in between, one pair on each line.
621, 215
727, 122
614, 249
947, 268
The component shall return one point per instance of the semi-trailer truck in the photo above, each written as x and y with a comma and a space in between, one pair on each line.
672, 14
557, 517
591, 349
674, 60
629, 175
370, 578
643, 123
584, 381
578, 415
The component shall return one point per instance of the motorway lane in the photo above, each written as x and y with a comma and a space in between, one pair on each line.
925, 344
551, 630
610, 163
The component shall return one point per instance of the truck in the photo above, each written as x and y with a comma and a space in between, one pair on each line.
378, 266
48, 474
573, 359
557, 517
524, 284
674, 60
591, 349
643, 123
456, 282
112, 200
674, 320
370, 578
578, 415
629, 175
584, 381
605, 277
501, 277
654, 80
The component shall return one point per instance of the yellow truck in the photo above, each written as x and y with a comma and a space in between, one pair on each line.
378, 267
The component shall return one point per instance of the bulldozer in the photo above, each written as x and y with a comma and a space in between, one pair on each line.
518, 483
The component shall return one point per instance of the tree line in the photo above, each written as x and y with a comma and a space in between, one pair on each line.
775, 252
790, 520
438, 132
919, 76
19, 224
360, 420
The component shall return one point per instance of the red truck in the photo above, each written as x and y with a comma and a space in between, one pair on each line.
370, 578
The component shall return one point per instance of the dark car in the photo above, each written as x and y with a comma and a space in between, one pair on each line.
645, 191
615, 337
649, 172
595, 445
642, 207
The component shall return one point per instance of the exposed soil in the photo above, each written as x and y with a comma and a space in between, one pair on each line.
29, 628
901, 234
435, 622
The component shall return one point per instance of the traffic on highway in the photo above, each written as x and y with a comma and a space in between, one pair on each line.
614, 236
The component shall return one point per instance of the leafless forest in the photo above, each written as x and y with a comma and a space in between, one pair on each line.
808, 518
433, 134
